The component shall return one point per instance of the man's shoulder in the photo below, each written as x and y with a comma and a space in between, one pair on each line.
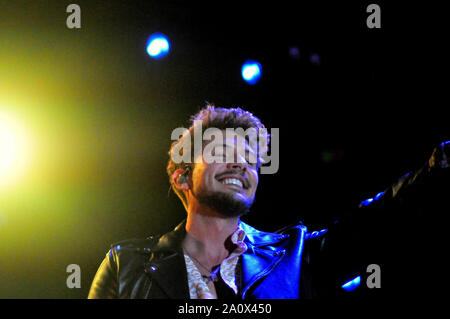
138, 245
299, 227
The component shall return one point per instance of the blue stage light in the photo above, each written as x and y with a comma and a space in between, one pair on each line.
377, 196
158, 46
251, 71
352, 284
366, 202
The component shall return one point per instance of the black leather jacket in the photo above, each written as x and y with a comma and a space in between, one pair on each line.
156, 269
289, 264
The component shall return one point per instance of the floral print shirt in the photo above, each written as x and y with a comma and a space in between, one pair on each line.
199, 287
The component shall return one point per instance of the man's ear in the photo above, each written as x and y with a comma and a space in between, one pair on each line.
179, 180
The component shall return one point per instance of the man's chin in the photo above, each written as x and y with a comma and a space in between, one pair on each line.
227, 204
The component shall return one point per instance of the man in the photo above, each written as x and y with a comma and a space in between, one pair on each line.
213, 254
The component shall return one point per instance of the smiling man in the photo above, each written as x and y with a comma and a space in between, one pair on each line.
214, 254
216, 190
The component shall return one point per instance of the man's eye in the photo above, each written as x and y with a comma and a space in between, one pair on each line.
253, 165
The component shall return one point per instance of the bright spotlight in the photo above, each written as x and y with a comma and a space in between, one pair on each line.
13, 150
158, 46
251, 71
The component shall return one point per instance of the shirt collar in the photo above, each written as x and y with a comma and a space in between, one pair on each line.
239, 235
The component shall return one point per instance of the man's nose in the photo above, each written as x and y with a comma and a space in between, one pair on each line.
237, 166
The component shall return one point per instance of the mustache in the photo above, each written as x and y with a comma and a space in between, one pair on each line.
232, 172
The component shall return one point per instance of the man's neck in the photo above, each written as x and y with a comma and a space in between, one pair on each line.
207, 237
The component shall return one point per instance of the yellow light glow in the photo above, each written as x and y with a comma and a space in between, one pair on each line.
13, 150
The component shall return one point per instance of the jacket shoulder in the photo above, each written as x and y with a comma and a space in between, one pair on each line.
299, 226
292, 228
143, 245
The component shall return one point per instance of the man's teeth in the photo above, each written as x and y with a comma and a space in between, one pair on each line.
232, 181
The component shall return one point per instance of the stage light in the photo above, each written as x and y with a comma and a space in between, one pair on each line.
294, 52
370, 200
314, 58
7, 148
251, 71
13, 150
352, 284
158, 46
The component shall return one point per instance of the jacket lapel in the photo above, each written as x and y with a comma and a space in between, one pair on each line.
260, 258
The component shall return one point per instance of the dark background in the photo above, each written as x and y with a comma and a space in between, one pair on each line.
371, 110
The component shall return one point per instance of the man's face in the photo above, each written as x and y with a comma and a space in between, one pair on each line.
229, 186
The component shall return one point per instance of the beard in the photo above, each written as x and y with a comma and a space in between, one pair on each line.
226, 204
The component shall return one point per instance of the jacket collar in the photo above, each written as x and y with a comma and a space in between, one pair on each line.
171, 242
168, 268
257, 238
261, 256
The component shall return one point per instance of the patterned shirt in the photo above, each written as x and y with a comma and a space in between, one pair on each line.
199, 288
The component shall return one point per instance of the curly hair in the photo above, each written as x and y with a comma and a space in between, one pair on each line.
212, 117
